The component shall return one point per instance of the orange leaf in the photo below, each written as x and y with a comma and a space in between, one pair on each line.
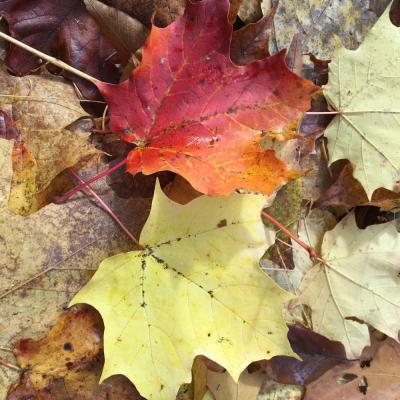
190, 110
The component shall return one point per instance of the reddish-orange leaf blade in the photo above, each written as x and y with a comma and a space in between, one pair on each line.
192, 111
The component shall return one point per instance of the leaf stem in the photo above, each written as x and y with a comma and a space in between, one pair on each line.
9, 365
312, 253
322, 112
105, 207
78, 188
51, 60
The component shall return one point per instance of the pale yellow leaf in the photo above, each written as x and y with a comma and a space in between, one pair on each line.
196, 289
365, 86
359, 280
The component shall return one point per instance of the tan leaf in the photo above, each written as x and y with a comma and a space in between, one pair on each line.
43, 108
47, 256
126, 33
66, 364
357, 284
321, 23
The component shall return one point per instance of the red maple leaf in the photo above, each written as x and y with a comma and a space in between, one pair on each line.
190, 110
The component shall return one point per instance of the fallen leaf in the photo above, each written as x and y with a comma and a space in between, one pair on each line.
364, 87
62, 29
163, 11
223, 387
318, 355
250, 11
126, 34
196, 289
286, 209
357, 284
47, 256
66, 364
311, 231
272, 390
250, 43
318, 177
191, 111
313, 125
382, 376
348, 191
320, 23
43, 109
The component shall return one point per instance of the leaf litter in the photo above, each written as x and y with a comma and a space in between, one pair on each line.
52, 278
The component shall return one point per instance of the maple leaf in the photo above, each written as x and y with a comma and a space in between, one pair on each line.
358, 280
190, 110
321, 23
43, 109
63, 29
66, 364
196, 289
364, 86
47, 256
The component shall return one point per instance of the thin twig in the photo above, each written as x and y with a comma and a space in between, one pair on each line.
52, 60
312, 253
78, 188
105, 207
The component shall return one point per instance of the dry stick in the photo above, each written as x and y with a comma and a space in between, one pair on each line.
78, 188
51, 60
312, 253
105, 207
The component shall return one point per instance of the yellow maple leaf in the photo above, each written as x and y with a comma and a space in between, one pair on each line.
195, 289
364, 85
359, 281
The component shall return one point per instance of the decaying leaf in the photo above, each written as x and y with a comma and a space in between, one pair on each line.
286, 209
47, 256
250, 43
320, 23
359, 282
126, 33
348, 191
382, 376
66, 364
250, 11
43, 109
196, 289
364, 85
63, 29
318, 354
272, 390
190, 110
311, 231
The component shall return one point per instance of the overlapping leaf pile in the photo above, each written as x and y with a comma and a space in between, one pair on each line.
210, 104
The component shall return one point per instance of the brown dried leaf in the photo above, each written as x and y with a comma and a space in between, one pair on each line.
49, 255
251, 42
63, 29
43, 109
348, 191
67, 362
382, 377
125, 33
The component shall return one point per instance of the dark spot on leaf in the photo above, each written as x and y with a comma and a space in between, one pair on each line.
222, 223
210, 292
68, 346
208, 334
